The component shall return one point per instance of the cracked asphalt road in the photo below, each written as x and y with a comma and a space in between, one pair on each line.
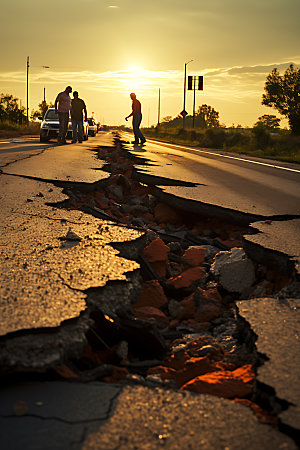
44, 273
231, 185
278, 339
101, 416
248, 186
45, 265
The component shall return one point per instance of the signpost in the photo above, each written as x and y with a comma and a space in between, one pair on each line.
193, 81
184, 113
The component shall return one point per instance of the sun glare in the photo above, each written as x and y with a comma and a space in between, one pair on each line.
136, 79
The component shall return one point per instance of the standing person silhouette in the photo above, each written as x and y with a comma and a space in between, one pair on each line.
136, 119
62, 108
77, 109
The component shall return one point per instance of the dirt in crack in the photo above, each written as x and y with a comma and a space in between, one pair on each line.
182, 331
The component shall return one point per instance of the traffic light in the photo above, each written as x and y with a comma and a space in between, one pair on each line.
190, 83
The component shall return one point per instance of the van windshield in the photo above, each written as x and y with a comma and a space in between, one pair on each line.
51, 115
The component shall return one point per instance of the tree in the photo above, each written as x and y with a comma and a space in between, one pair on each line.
282, 92
268, 121
43, 106
205, 117
9, 109
209, 116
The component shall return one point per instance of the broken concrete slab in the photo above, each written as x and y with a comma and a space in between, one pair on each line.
276, 322
54, 415
155, 418
276, 243
70, 402
234, 270
45, 275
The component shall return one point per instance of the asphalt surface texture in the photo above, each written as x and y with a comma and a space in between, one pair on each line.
244, 188
51, 256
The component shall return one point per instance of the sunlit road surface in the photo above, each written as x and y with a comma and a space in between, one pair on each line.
46, 282
20, 147
250, 185
261, 188
52, 161
44, 276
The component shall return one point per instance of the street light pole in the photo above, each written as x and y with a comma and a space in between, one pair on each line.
45, 67
27, 88
184, 92
158, 118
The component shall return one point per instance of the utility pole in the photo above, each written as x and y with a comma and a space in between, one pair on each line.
158, 118
45, 67
184, 113
27, 89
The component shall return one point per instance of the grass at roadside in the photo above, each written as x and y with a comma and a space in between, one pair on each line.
10, 129
279, 145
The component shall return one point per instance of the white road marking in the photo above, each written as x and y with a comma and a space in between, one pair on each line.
224, 156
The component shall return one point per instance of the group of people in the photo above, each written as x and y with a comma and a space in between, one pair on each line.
64, 105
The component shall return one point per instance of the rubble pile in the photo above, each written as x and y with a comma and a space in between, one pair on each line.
182, 331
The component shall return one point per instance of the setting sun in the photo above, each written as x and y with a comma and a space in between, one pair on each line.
135, 79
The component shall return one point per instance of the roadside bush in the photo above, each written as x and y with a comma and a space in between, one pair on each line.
237, 138
204, 140
181, 132
216, 137
262, 137
8, 128
194, 136
259, 142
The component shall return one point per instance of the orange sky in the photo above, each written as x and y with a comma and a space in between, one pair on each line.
106, 50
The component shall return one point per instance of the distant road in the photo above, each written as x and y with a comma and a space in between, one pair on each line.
230, 186
250, 185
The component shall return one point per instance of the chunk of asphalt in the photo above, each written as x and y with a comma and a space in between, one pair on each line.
57, 414
276, 325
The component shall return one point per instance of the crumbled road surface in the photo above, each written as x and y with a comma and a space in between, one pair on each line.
57, 264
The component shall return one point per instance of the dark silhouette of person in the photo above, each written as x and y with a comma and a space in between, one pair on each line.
136, 119
63, 100
77, 108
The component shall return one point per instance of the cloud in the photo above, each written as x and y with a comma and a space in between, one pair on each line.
231, 84
259, 69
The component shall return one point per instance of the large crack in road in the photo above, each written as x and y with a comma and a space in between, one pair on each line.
174, 323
